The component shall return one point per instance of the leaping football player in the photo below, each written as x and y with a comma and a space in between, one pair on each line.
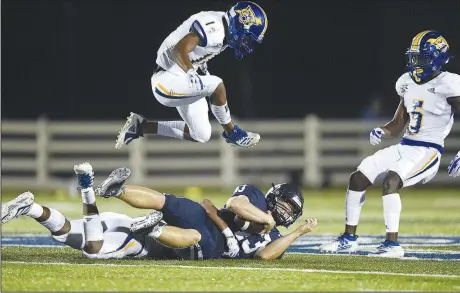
181, 78
429, 99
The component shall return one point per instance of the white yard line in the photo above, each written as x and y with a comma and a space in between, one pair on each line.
234, 268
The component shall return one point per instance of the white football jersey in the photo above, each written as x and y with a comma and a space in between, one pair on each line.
211, 29
431, 117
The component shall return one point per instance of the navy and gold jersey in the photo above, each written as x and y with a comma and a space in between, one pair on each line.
249, 243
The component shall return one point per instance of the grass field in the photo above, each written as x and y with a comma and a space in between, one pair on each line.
425, 212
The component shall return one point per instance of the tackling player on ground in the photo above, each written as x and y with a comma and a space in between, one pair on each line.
429, 99
105, 235
182, 80
282, 206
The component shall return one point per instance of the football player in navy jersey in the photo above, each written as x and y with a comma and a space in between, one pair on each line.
248, 221
253, 218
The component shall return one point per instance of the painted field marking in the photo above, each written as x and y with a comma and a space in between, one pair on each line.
233, 268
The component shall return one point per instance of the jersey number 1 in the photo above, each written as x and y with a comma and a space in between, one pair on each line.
416, 117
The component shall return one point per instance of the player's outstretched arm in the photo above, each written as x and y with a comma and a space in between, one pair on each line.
241, 206
232, 243
276, 248
399, 121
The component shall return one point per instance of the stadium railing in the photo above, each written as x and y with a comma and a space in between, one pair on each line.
313, 151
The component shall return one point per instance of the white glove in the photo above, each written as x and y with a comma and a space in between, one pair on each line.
232, 243
375, 136
194, 80
454, 167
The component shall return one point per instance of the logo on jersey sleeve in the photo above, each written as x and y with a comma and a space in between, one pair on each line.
248, 18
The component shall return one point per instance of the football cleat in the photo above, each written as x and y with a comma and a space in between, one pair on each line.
389, 249
130, 131
343, 243
114, 184
239, 137
151, 220
85, 175
16, 207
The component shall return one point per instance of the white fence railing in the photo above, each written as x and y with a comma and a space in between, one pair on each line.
42, 153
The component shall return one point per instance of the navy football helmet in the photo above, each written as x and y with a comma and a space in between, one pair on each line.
285, 202
247, 23
426, 55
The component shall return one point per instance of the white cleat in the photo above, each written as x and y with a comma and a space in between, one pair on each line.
343, 243
130, 131
142, 223
85, 175
388, 249
16, 207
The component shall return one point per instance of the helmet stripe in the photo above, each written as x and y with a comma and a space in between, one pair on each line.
416, 41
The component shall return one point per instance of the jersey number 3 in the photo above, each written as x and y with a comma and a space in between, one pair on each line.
416, 117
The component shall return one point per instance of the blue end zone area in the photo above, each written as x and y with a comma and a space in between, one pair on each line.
307, 244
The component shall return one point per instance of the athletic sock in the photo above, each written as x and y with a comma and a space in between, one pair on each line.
55, 222
36, 211
353, 203
174, 129
392, 211
222, 113
87, 195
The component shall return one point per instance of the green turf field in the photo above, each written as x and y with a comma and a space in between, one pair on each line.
425, 212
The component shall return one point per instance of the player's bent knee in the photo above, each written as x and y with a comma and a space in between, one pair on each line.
202, 135
358, 181
195, 236
61, 238
391, 183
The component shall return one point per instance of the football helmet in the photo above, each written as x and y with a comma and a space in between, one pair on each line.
247, 23
426, 55
285, 202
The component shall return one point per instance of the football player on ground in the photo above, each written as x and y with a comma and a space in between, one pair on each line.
182, 80
105, 235
429, 98
282, 207
454, 166
253, 217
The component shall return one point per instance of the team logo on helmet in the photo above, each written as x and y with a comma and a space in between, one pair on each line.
247, 17
440, 43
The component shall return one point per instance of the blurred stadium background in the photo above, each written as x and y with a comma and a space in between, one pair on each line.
323, 78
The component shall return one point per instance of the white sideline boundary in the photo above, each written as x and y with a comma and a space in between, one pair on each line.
233, 268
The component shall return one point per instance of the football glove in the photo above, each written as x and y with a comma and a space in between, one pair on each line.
376, 135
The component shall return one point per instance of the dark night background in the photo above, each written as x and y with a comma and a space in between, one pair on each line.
94, 59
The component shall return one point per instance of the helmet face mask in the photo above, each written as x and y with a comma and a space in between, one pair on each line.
285, 202
284, 213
